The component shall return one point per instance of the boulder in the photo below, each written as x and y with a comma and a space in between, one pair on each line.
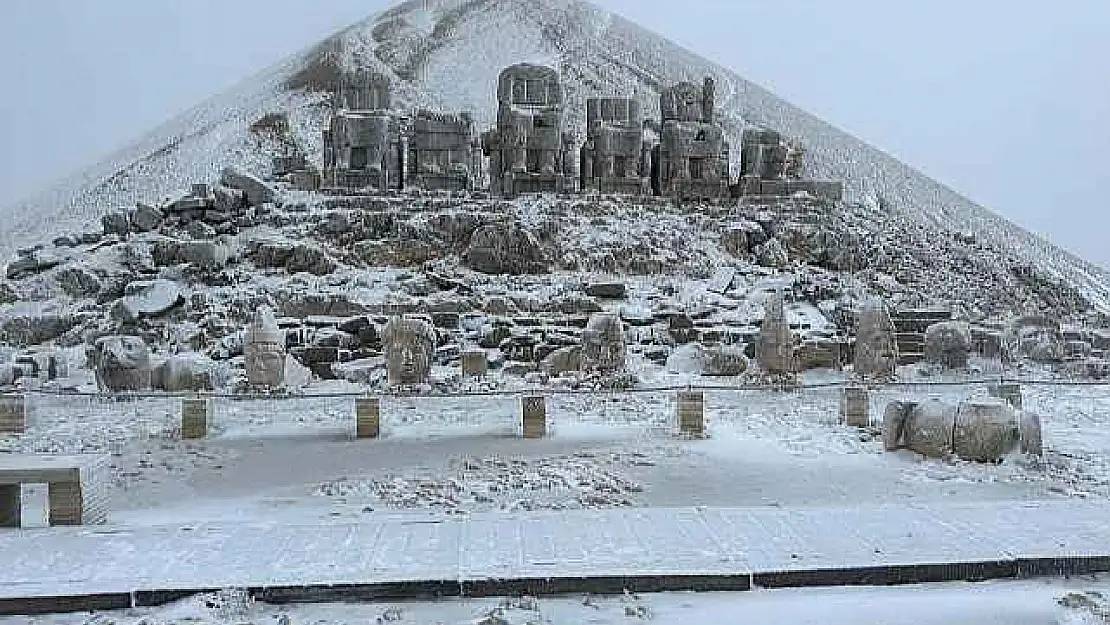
33, 323
200, 230
148, 298
117, 223
607, 290
725, 360
257, 192
146, 218
948, 344
228, 200
292, 256
603, 347
563, 360
688, 359
985, 430
772, 254
185, 372
121, 363
78, 282
505, 249
33, 263
7, 294
7, 374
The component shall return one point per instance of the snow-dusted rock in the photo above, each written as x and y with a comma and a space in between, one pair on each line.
148, 298
409, 345
78, 282
32, 323
563, 360
185, 372
948, 344
772, 254
264, 350
725, 360
505, 249
121, 363
117, 223
257, 191
603, 347
146, 218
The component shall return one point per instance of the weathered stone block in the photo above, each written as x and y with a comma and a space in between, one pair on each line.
11, 505
13, 414
475, 363
1009, 392
194, 418
367, 417
534, 416
66, 503
691, 413
854, 411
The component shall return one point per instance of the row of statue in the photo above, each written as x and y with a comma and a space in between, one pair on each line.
684, 155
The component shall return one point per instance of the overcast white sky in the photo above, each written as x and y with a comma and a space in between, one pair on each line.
1007, 101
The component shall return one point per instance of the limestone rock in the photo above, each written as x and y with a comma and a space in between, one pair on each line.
33, 323
772, 254
292, 256
603, 347
725, 360
148, 298
78, 282
122, 363
409, 345
257, 191
948, 344
505, 249
117, 223
228, 200
563, 360
32, 263
146, 218
976, 430
185, 372
607, 290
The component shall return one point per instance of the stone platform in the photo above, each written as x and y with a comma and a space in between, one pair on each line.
643, 550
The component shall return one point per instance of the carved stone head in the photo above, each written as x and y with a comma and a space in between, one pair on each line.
409, 346
603, 347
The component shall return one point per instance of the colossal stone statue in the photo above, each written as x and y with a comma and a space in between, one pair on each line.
876, 351
775, 349
977, 430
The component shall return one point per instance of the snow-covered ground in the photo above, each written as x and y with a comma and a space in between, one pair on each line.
1072, 602
295, 459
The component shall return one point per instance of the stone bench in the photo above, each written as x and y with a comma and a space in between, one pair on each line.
76, 486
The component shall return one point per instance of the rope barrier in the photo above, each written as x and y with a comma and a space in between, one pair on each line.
775, 387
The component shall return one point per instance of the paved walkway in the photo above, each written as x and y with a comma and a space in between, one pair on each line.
761, 546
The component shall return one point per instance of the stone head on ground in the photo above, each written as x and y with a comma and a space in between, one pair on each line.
409, 345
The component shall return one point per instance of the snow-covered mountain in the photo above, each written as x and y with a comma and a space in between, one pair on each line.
446, 54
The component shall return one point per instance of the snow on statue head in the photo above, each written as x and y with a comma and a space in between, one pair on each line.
603, 346
265, 350
122, 363
409, 346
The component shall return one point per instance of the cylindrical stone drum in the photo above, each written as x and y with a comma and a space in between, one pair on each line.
929, 428
985, 430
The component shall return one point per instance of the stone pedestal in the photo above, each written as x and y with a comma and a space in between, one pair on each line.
10, 505
194, 418
1009, 392
367, 417
475, 363
854, 411
66, 503
691, 413
13, 414
534, 416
